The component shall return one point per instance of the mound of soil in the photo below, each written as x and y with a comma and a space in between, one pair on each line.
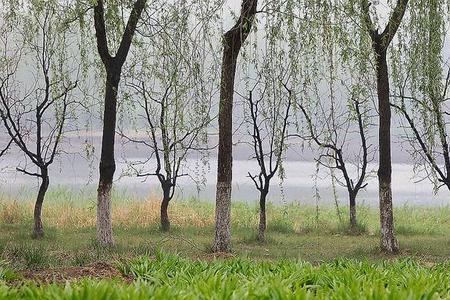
98, 270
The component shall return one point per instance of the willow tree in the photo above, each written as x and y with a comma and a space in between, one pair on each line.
37, 81
233, 40
173, 84
8, 64
330, 93
269, 110
332, 134
422, 84
269, 68
380, 45
113, 64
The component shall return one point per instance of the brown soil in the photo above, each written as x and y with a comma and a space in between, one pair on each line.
98, 270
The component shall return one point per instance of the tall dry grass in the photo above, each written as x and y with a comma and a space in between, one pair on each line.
67, 214
63, 210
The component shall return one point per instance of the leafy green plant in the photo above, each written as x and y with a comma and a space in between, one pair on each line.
169, 276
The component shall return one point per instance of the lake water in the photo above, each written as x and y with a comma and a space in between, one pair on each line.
299, 185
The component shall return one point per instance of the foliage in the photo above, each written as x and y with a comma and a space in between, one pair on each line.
170, 276
171, 83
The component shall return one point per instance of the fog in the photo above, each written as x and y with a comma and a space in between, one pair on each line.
73, 170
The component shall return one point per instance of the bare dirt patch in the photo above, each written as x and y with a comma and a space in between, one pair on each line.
98, 270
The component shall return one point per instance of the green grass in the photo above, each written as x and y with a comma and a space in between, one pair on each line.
305, 256
169, 276
294, 232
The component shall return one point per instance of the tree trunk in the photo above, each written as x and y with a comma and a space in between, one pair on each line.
388, 240
113, 66
353, 221
232, 42
107, 162
38, 230
222, 241
262, 217
165, 223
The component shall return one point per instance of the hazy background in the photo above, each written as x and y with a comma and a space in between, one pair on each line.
74, 172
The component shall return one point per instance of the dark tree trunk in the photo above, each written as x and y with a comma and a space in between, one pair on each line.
262, 216
232, 42
38, 229
353, 220
165, 223
388, 240
113, 66
107, 161
222, 241
380, 44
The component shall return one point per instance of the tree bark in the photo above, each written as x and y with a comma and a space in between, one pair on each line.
107, 161
38, 229
353, 220
388, 240
222, 241
232, 42
165, 222
262, 217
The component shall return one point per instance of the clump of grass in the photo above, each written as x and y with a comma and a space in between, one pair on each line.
421, 220
82, 258
143, 249
34, 256
408, 229
346, 228
282, 225
11, 212
30, 256
6, 273
249, 236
